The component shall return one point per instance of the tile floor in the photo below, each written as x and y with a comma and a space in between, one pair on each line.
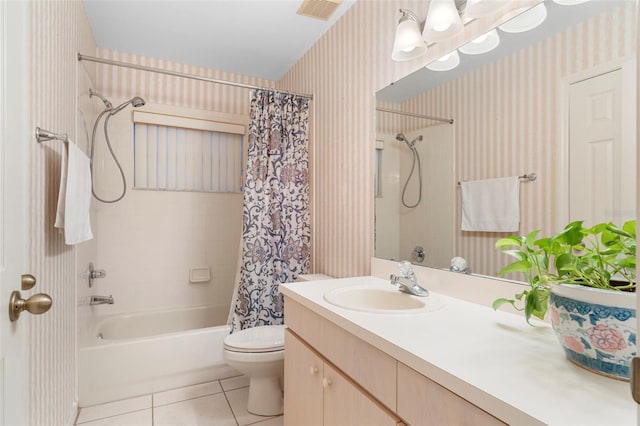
219, 403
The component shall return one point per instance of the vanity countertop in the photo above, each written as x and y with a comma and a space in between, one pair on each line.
494, 360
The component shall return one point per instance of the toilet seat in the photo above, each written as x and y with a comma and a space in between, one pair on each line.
261, 339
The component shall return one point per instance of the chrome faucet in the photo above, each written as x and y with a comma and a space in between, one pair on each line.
101, 300
407, 282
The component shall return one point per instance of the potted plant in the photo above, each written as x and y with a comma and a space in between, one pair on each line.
585, 277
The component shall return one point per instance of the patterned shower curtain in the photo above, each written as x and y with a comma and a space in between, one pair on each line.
276, 230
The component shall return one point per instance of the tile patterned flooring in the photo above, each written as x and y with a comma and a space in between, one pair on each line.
219, 403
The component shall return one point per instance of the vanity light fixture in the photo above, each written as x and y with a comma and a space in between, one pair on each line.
446, 62
408, 43
526, 21
479, 8
483, 44
443, 21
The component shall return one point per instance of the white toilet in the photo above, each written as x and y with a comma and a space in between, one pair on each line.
259, 353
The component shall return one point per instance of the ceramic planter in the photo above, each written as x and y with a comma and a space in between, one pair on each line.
597, 328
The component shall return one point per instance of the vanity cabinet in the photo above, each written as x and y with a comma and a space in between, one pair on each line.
317, 393
422, 401
335, 378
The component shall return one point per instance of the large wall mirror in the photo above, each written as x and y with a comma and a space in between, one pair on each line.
558, 101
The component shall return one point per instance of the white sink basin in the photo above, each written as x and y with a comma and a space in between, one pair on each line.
376, 299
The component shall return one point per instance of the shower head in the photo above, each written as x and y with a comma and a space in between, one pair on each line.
136, 101
400, 137
107, 104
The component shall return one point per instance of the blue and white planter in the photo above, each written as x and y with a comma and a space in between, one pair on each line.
597, 328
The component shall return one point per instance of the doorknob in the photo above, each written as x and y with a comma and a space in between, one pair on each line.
36, 304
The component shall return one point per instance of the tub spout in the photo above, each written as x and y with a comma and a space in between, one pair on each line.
101, 300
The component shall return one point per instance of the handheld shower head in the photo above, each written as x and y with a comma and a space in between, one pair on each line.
104, 100
136, 101
401, 138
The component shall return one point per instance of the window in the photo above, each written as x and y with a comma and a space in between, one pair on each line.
184, 154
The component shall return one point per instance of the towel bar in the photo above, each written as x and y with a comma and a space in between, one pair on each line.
527, 176
43, 135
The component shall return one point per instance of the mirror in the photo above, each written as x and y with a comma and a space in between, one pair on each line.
512, 116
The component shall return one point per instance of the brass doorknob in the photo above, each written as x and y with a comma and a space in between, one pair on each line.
36, 304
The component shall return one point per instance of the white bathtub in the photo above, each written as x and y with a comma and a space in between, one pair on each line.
141, 353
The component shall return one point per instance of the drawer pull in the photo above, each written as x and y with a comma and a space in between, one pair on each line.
326, 382
313, 371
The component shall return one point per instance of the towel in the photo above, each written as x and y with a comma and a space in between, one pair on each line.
74, 196
491, 205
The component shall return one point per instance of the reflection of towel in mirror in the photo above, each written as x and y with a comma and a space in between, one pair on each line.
74, 196
491, 205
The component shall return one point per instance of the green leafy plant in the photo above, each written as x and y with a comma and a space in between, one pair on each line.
602, 256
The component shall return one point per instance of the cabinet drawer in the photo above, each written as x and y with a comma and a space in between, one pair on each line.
371, 368
424, 402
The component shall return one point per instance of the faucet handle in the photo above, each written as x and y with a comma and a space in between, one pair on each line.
406, 269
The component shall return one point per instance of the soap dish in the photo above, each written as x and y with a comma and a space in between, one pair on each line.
200, 275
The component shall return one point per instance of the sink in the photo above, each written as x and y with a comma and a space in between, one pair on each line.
368, 298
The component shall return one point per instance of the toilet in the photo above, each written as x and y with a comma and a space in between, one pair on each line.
258, 352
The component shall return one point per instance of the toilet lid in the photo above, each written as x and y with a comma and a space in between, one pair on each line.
266, 338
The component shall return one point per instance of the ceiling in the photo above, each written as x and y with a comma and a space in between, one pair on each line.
261, 38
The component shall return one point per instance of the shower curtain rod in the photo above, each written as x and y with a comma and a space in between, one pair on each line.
410, 114
82, 57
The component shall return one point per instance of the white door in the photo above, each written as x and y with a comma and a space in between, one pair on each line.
14, 136
601, 151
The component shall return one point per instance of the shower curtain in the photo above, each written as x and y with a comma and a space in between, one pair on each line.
276, 231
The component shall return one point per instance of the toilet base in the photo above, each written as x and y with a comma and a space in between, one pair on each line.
265, 396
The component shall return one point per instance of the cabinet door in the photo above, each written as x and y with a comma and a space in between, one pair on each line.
347, 405
424, 402
303, 371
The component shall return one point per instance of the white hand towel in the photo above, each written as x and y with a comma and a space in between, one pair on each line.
74, 197
491, 205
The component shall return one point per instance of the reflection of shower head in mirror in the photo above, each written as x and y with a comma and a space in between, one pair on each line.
400, 137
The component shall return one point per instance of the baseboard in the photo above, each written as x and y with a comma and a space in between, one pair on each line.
71, 421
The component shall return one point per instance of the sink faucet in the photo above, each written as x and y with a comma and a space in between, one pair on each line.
406, 281
101, 300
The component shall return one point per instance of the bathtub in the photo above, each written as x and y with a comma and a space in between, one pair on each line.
137, 354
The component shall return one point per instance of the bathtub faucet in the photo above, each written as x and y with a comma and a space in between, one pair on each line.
101, 300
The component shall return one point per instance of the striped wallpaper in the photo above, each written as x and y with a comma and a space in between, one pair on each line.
343, 70
508, 119
56, 29
123, 83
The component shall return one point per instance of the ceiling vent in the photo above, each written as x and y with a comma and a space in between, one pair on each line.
319, 9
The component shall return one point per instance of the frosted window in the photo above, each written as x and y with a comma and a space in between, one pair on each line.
178, 159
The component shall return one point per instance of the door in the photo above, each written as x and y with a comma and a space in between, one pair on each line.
303, 379
346, 404
14, 136
601, 152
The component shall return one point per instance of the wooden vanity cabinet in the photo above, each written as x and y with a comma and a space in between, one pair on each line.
335, 378
317, 393
422, 401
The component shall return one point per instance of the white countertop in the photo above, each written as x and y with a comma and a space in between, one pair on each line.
494, 360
